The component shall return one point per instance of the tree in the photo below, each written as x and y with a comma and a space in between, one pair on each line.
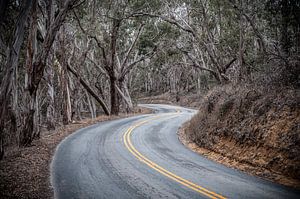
119, 29
36, 70
12, 57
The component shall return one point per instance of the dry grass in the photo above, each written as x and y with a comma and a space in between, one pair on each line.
231, 162
24, 173
255, 127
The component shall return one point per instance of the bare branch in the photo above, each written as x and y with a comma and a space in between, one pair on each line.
173, 22
228, 65
89, 89
78, 4
98, 67
99, 44
256, 31
132, 45
196, 65
128, 68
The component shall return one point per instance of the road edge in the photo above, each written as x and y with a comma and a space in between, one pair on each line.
262, 173
25, 172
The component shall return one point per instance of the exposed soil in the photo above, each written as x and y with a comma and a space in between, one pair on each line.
25, 172
235, 163
253, 130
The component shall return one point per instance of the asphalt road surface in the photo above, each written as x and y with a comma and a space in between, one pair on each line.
141, 157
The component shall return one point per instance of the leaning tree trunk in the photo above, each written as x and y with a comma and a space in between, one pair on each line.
127, 94
89, 89
124, 94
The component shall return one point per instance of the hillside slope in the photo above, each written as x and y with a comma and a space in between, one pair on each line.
258, 127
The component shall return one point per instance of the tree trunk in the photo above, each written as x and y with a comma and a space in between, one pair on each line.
90, 90
64, 78
114, 97
27, 133
37, 71
124, 93
90, 104
242, 71
67, 109
127, 94
50, 108
94, 107
10, 67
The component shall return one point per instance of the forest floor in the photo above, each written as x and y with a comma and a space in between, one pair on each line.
255, 131
25, 172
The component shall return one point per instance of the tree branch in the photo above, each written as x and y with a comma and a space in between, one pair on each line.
88, 89
173, 22
256, 31
225, 68
99, 67
95, 39
196, 65
131, 47
130, 66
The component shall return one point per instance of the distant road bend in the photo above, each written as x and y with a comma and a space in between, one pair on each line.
141, 157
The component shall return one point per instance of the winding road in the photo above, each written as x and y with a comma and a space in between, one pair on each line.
141, 157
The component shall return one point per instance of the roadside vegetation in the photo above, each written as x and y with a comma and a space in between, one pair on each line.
258, 127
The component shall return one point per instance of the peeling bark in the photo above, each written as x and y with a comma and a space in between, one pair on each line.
38, 67
10, 67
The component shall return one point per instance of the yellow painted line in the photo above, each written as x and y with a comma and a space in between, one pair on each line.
142, 158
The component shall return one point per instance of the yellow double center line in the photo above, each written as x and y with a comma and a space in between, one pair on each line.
142, 158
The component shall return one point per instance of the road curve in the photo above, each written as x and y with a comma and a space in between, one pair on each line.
141, 157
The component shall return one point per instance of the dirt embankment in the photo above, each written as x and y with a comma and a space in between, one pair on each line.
257, 131
25, 172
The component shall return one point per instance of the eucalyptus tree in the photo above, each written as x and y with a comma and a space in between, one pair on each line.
39, 44
231, 40
39, 59
11, 58
116, 31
